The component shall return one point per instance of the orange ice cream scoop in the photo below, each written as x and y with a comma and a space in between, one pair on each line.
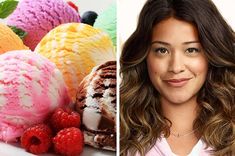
76, 48
9, 40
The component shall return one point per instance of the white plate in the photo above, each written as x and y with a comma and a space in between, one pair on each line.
15, 149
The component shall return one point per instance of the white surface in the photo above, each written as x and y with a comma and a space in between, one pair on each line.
15, 150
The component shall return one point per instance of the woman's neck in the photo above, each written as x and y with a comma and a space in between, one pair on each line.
182, 115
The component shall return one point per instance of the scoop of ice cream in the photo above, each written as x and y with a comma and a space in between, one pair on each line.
96, 102
38, 17
9, 40
89, 17
107, 21
31, 87
76, 48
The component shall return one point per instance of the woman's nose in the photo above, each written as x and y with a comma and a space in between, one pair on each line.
176, 63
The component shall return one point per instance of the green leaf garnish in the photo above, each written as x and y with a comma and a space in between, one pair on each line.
7, 7
21, 33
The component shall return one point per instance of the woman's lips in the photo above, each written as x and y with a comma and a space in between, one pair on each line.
177, 82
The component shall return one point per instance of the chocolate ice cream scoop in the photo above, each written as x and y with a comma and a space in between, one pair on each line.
96, 102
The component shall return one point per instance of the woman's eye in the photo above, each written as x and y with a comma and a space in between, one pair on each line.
160, 50
192, 50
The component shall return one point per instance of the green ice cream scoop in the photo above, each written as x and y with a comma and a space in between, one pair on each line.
107, 21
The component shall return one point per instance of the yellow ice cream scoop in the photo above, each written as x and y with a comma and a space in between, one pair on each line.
9, 40
76, 48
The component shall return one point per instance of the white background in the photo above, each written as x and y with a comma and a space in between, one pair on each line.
93, 5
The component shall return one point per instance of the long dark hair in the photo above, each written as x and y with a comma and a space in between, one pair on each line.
142, 121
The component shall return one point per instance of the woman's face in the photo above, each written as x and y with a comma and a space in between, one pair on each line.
176, 62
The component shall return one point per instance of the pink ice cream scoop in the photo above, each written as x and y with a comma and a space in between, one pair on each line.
31, 87
38, 17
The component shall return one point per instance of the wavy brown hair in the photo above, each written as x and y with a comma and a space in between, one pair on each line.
142, 121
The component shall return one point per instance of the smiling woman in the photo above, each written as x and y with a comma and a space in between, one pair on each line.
177, 65
178, 82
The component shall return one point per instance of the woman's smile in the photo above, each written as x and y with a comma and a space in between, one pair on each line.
180, 82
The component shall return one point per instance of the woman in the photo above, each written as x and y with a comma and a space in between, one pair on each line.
178, 81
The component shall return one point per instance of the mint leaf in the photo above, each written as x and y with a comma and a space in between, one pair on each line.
7, 7
21, 33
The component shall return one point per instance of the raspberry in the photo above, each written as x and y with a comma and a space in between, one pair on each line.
72, 5
69, 142
64, 118
37, 139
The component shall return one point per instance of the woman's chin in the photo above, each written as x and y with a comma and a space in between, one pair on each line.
179, 99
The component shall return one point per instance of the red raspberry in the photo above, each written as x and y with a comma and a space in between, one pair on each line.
64, 118
69, 142
73, 5
37, 139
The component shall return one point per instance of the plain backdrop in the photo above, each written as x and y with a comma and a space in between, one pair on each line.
93, 5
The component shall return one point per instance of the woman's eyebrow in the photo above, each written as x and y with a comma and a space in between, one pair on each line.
165, 43
189, 42
161, 42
